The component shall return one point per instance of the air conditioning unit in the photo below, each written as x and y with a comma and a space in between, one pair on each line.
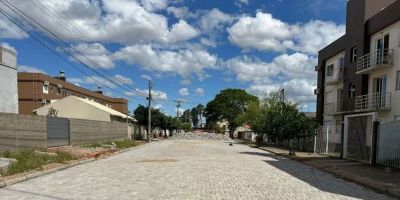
317, 91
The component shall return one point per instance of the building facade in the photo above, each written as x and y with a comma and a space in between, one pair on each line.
8, 80
359, 79
36, 90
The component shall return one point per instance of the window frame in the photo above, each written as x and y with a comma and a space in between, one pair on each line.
327, 74
353, 54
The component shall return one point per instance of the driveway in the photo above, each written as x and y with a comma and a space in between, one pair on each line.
178, 169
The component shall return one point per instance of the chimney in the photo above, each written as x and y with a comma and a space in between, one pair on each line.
99, 90
61, 76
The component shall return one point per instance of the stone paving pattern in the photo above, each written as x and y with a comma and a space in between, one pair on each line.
177, 169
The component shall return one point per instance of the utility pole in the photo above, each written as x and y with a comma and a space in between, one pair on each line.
178, 105
149, 98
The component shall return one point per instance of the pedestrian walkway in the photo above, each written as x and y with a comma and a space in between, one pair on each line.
375, 177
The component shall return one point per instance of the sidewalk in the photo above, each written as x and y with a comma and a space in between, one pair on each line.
361, 173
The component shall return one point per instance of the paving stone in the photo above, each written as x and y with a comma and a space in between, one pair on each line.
190, 169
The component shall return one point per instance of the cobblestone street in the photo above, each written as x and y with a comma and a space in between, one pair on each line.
177, 169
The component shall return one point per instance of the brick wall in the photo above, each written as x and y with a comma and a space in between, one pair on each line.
22, 131
88, 131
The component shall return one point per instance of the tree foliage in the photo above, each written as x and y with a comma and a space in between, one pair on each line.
228, 105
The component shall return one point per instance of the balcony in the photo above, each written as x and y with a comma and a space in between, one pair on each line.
333, 108
379, 59
374, 102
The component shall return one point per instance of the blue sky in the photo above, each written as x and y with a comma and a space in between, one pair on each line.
190, 49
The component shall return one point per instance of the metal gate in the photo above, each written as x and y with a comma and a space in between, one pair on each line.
359, 138
57, 132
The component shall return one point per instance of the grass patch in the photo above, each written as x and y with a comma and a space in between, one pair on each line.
119, 144
29, 160
126, 144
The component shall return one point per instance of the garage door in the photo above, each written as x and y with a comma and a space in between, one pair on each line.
57, 132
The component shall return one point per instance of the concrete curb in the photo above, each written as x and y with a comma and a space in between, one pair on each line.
42, 173
387, 191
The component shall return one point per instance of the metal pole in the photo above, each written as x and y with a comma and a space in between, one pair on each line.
149, 114
327, 140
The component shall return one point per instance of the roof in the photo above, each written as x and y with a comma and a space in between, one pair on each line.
96, 105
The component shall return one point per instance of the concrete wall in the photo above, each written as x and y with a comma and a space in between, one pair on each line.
88, 131
8, 81
22, 131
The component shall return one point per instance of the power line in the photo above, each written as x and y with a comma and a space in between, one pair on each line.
24, 16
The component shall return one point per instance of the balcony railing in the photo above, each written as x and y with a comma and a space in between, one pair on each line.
377, 59
333, 108
374, 102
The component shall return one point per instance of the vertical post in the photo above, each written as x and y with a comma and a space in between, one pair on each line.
327, 140
149, 114
315, 142
374, 148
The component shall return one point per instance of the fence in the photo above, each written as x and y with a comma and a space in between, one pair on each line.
389, 144
22, 131
328, 141
29, 131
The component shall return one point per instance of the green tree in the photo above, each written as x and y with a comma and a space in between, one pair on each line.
194, 113
227, 105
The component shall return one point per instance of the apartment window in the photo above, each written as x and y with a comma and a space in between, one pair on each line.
353, 54
46, 87
329, 70
398, 80
352, 90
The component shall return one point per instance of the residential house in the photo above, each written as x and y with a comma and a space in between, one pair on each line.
79, 108
37, 89
358, 90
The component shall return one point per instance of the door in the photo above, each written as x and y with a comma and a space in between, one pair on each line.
380, 92
57, 132
382, 46
358, 138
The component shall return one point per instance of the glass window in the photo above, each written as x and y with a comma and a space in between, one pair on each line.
352, 90
58, 91
45, 89
329, 70
353, 56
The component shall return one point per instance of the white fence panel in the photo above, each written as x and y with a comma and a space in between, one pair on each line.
389, 144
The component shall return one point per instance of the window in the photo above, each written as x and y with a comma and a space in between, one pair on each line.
329, 70
341, 62
59, 87
398, 80
45, 89
353, 55
352, 90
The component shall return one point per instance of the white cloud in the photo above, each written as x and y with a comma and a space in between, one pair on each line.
301, 90
199, 91
184, 92
10, 31
214, 19
122, 79
283, 72
185, 82
94, 55
144, 76
266, 33
178, 12
157, 106
153, 5
249, 69
183, 62
156, 94
182, 31
110, 82
121, 21
208, 42
24, 68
